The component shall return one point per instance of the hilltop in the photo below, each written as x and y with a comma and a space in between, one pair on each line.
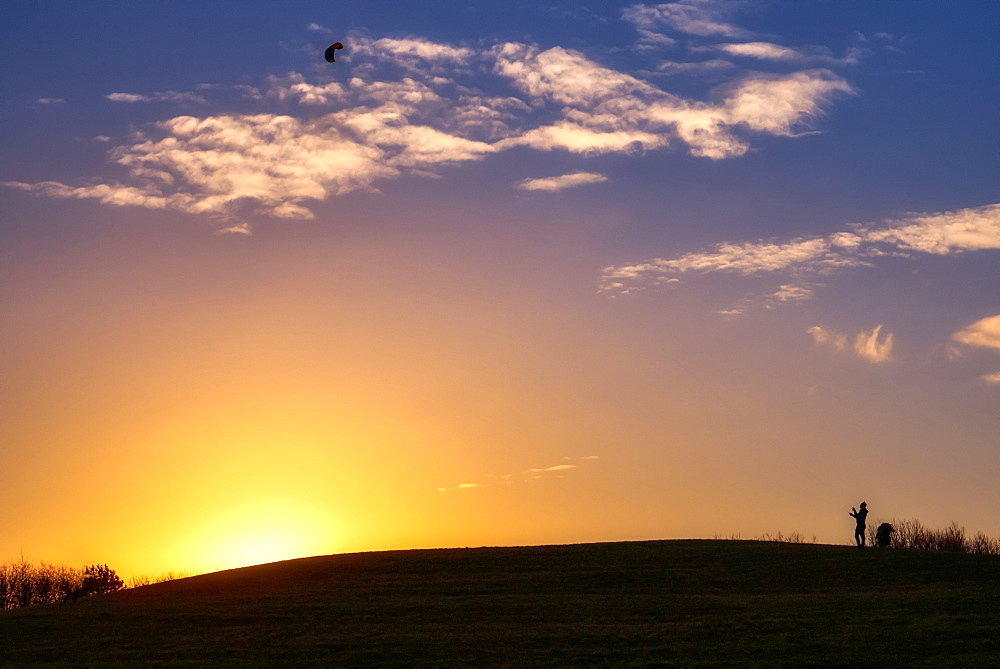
685, 602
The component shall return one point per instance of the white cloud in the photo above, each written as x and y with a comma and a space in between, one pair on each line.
783, 54
792, 293
554, 184
984, 333
555, 468
871, 348
237, 229
317, 28
943, 233
608, 111
402, 109
50, 101
294, 87
693, 17
828, 337
165, 96
406, 51
869, 345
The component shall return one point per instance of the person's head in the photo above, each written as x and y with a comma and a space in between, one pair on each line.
864, 504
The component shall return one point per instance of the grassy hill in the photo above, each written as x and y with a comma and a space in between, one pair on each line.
637, 603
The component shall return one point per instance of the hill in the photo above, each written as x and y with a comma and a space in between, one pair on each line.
682, 603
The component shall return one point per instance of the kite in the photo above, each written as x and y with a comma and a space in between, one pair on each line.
331, 50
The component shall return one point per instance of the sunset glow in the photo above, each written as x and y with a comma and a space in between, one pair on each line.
506, 273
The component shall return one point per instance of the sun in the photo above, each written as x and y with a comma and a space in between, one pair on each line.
259, 531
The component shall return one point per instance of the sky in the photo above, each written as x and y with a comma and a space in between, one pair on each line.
505, 273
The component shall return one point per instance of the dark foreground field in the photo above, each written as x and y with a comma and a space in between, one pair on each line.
679, 603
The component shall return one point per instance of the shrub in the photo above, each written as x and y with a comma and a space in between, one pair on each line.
99, 579
913, 534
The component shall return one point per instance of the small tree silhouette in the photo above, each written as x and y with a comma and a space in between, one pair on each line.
99, 579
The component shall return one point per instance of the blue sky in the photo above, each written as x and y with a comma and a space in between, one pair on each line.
745, 245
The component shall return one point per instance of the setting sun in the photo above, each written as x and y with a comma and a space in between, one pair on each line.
263, 530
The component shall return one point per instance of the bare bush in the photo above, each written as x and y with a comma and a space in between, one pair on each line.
25, 584
911, 533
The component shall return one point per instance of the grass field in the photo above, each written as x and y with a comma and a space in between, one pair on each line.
683, 603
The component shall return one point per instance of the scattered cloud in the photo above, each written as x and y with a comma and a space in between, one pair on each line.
554, 468
826, 337
554, 184
411, 105
869, 346
703, 18
944, 233
533, 474
237, 229
984, 333
792, 293
165, 96
50, 101
768, 51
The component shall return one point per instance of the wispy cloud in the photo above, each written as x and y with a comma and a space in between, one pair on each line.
692, 17
769, 51
554, 184
870, 346
50, 101
532, 474
317, 28
164, 96
944, 233
554, 468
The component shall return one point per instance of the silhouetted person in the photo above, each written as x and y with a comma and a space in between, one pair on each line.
860, 515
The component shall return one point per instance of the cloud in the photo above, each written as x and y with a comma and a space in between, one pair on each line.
944, 233
607, 111
693, 17
828, 337
207, 165
237, 229
783, 54
869, 345
532, 474
317, 28
294, 87
991, 378
792, 293
50, 101
555, 184
984, 333
555, 468
404, 107
165, 96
